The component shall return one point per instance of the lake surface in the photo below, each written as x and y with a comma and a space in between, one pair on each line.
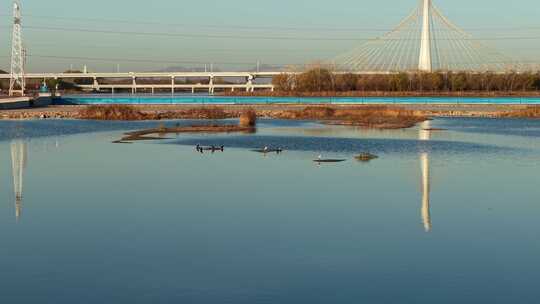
206, 99
440, 217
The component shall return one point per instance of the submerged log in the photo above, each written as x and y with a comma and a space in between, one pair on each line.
329, 160
143, 134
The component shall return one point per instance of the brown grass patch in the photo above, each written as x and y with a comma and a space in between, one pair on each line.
318, 112
206, 113
248, 118
111, 112
368, 116
127, 112
529, 112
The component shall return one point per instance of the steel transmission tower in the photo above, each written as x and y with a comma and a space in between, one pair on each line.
17, 82
424, 41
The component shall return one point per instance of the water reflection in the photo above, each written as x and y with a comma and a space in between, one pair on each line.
425, 135
19, 156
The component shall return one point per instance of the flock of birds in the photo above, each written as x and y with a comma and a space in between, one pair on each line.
361, 157
212, 149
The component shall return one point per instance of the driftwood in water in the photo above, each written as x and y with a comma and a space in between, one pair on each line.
329, 160
143, 134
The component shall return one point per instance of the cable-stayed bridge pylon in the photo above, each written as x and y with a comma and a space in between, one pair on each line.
424, 41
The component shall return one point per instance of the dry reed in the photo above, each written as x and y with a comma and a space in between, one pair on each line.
248, 118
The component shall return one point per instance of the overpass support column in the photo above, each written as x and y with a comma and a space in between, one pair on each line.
134, 85
173, 82
95, 85
249, 83
211, 85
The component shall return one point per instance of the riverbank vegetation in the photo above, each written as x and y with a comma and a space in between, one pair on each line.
379, 117
382, 117
320, 81
529, 112
248, 118
127, 112
112, 112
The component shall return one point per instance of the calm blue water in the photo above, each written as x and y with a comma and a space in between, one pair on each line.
441, 217
201, 99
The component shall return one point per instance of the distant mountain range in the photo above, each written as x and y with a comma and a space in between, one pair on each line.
173, 69
267, 68
262, 68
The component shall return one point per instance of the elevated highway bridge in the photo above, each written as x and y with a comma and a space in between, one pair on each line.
153, 81
135, 81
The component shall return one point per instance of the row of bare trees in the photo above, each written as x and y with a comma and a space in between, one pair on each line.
324, 80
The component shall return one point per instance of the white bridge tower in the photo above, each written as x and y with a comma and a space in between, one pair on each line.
17, 82
424, 62
424, 41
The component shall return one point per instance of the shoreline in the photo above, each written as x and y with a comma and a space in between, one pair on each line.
366, 116
266, 110
373, 94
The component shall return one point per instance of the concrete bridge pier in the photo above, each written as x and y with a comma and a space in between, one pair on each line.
133, 85
173, 82
249, 83
211, 85
95, 85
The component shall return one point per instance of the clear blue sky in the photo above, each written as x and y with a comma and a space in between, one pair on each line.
318, 19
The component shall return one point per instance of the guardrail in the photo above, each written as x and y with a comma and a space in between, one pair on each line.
217, 100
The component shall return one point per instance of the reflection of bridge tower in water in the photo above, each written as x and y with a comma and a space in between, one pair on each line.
18, 164
424, 135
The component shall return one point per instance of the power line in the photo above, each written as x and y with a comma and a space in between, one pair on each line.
198, 62
140, 60
210, 49
250, 37
258, 27
35, 46
211, 26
